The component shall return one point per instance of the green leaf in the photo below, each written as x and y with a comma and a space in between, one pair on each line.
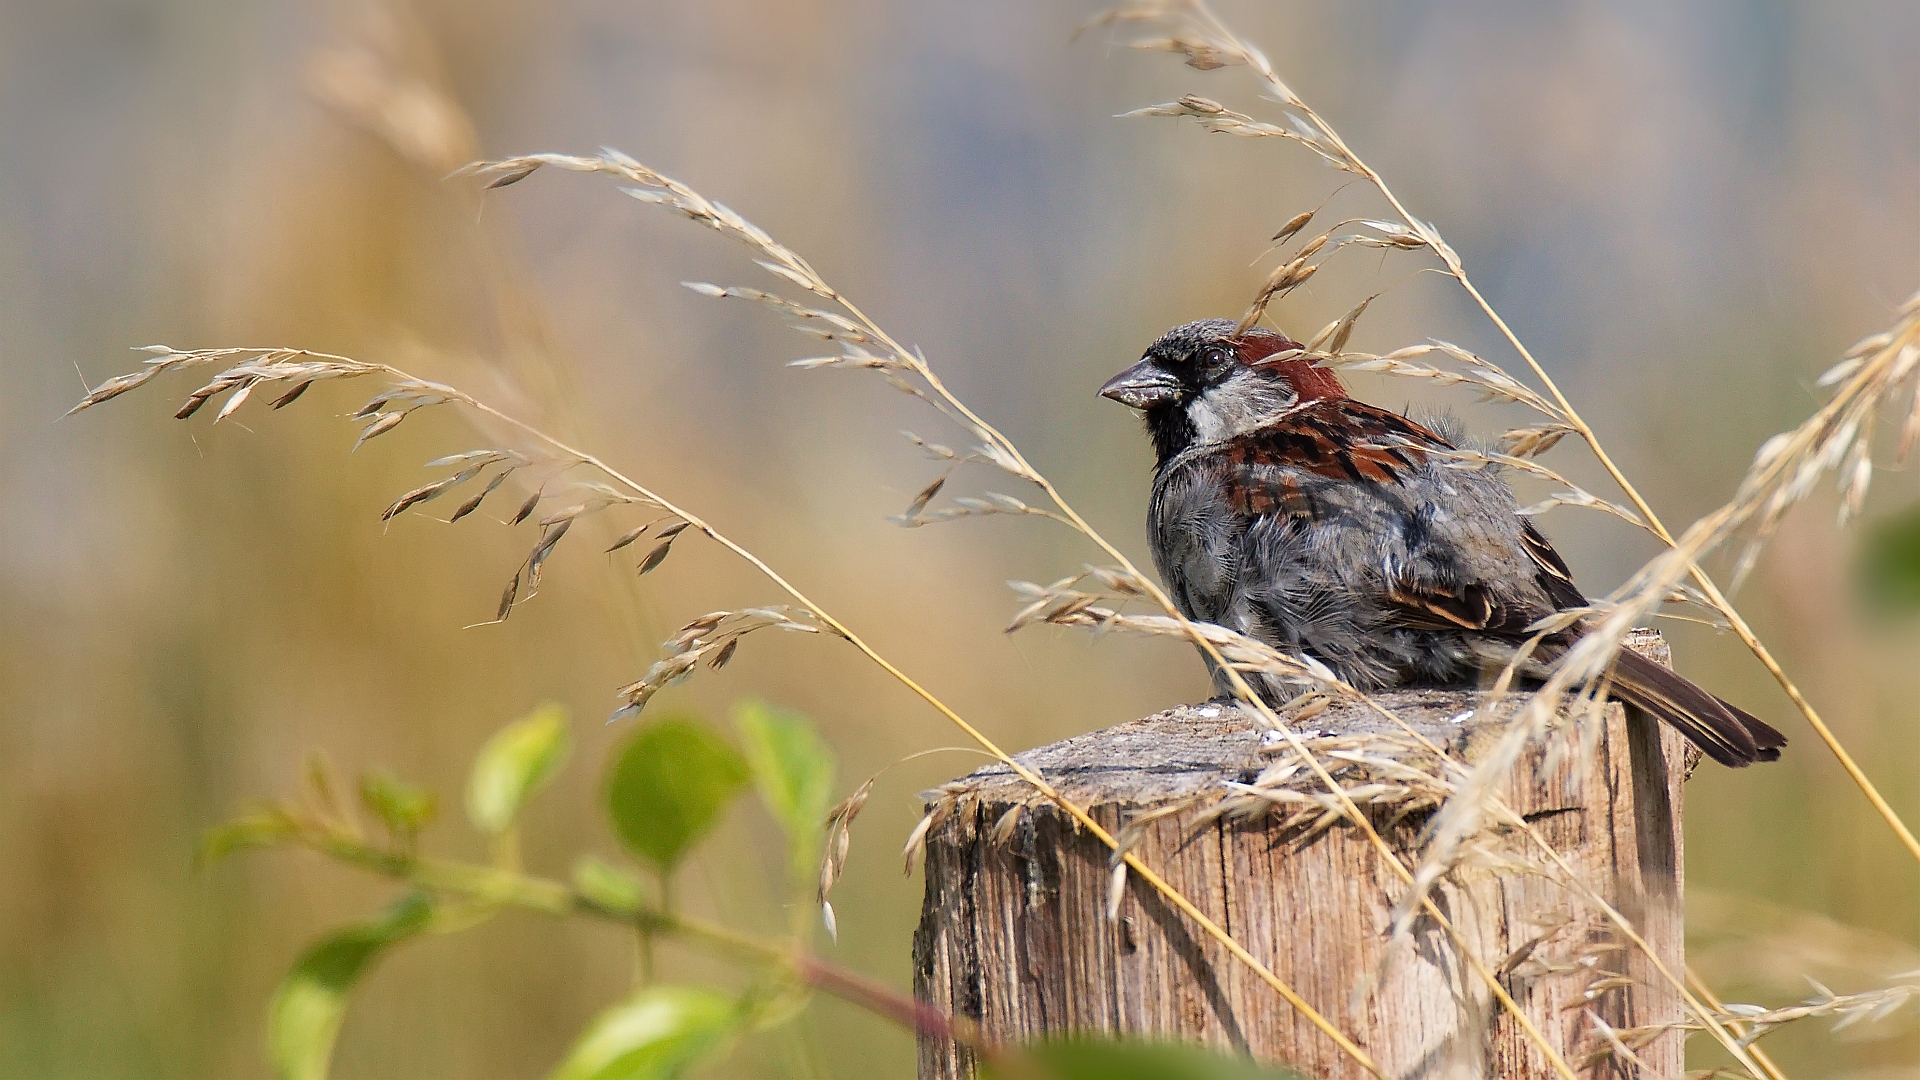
794, 770
774, 1000
402, 807
607, 885
262, 829
304, 1016
1889, 567
653, 1035
517, 760
668, 785
1094, 1058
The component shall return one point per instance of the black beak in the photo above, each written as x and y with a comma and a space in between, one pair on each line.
1143, 385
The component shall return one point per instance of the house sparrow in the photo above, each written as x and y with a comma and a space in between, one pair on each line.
1290, 512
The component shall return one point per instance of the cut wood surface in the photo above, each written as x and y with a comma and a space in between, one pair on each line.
1016, 930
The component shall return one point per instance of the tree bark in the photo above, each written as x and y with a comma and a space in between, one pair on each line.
1015, 932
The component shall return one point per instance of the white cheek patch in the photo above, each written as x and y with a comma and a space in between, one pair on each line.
1209, 422
1241, 404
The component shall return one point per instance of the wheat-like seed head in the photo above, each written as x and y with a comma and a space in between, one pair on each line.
1868, 378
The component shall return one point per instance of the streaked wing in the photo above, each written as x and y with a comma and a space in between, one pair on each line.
1352, 441
1340, 439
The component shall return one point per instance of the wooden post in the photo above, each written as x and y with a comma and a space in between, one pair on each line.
1016, 934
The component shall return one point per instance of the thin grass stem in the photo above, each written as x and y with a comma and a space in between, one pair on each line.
1457, 270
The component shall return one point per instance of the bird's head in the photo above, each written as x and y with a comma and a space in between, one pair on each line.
1200, 383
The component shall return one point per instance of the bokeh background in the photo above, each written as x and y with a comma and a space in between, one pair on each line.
1686, 210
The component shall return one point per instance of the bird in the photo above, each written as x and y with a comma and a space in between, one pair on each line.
1289, 511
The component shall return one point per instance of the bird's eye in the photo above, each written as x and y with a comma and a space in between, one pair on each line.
1214, 359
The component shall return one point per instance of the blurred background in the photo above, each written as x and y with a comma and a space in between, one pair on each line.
1687, 211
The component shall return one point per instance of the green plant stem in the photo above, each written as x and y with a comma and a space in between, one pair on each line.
510, 888
1211, 928
1080, 815
506, 848
643, 966
883, 1000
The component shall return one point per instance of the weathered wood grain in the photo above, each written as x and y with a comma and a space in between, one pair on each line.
1015, 930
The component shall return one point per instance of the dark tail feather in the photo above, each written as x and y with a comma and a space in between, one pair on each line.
1767, 740
1727, 734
